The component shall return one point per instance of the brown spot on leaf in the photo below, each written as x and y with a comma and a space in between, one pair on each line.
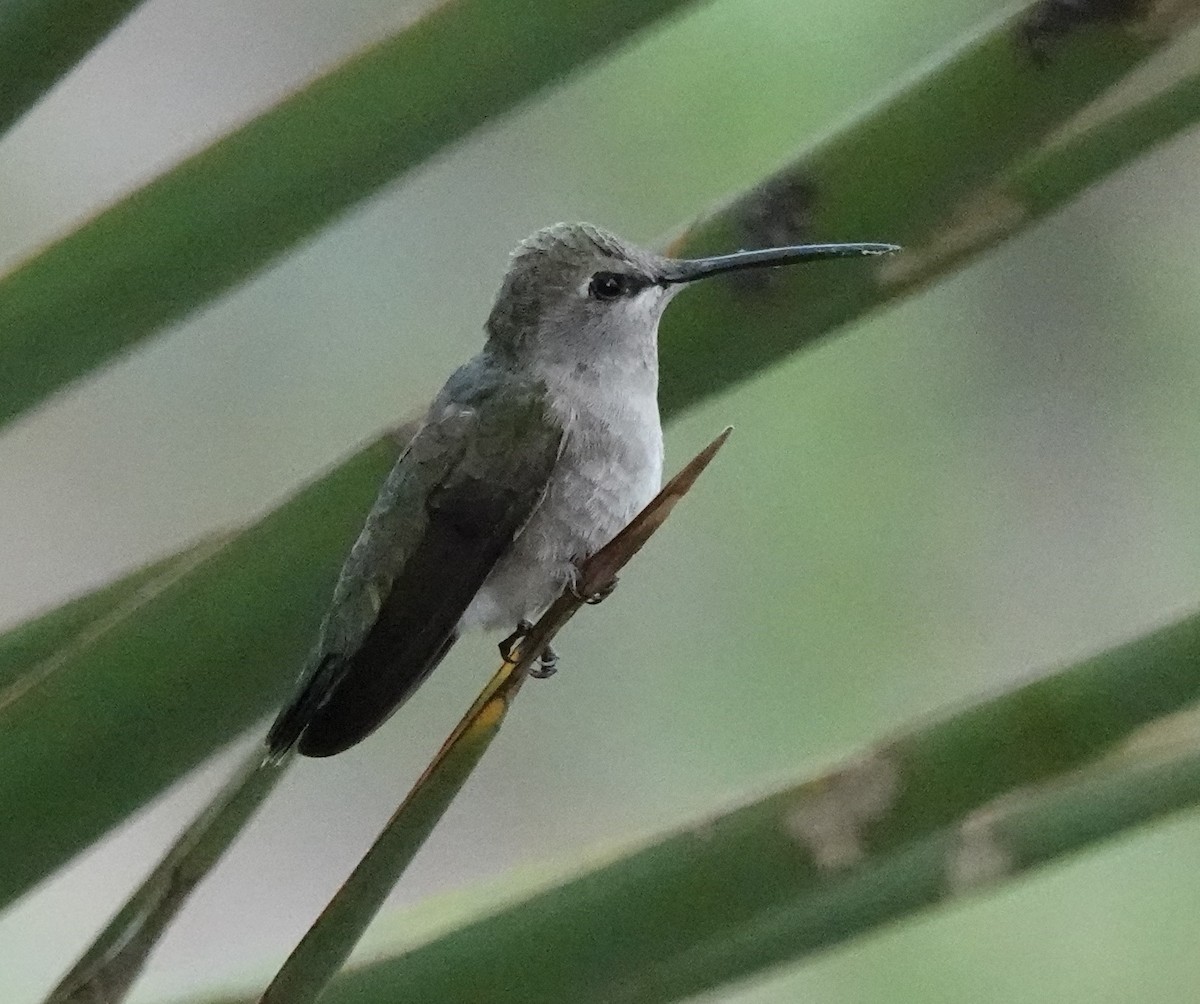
1050, 21
778, 212
831, 817
979, 856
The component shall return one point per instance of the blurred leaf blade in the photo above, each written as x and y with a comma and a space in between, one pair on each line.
159, 691
904, 172
232, 208
40, 41
30, 644
113, 962
1047, 181
837, 855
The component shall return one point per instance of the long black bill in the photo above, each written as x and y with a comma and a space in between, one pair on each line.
690, 269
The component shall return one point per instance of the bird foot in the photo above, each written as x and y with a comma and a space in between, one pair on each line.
599, 596
547, 664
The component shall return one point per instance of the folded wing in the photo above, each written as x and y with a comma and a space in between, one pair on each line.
467, 484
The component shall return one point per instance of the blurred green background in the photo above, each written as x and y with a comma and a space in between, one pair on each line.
996, 477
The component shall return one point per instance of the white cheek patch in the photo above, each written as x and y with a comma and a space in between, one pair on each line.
649, 302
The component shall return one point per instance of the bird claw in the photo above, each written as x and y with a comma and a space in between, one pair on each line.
506, 647
599, 596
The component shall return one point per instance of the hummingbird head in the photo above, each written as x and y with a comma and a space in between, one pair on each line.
575, 292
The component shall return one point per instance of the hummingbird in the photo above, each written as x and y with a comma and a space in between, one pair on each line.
534, 455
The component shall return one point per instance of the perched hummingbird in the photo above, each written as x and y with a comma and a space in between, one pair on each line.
532, 457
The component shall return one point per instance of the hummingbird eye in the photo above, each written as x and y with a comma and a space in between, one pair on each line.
611, 285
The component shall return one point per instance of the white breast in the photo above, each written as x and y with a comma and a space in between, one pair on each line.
611, 466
